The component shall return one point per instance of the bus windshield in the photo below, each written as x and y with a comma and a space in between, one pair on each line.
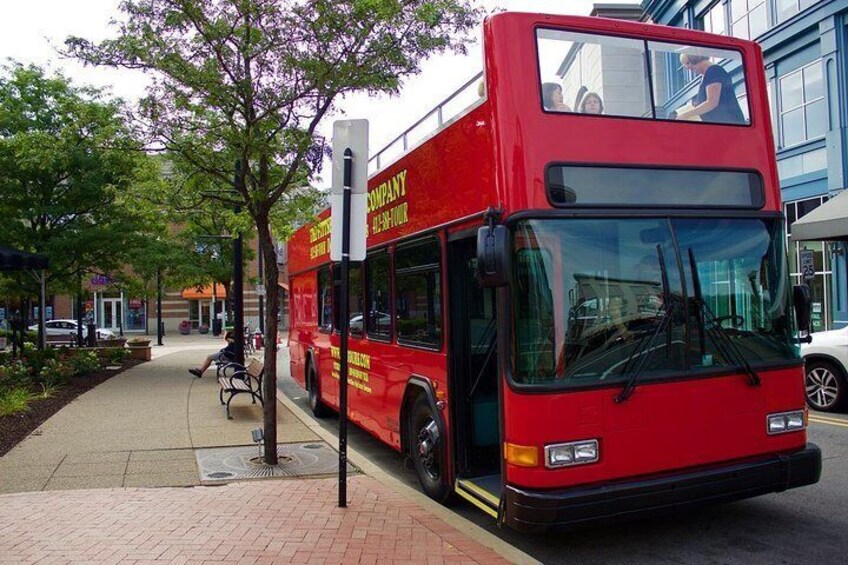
594, 296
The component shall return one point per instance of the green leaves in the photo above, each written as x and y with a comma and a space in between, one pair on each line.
66, 160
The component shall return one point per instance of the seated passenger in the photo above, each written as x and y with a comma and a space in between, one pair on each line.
716, 99
591, 104
552, 98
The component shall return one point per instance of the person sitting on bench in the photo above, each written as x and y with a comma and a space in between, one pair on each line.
226, 355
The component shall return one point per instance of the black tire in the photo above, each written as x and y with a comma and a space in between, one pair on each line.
313, 386
428, 457
825, 386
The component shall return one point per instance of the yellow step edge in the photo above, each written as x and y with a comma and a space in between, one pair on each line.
482, 493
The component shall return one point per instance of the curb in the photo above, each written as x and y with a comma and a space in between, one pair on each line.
470, 529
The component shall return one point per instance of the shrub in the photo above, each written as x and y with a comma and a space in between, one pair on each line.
14, 400
54, 374
15, 375
116, 356
84, 362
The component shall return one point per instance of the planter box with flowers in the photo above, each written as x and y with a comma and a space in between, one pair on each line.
185, 327
139, 348
112, 342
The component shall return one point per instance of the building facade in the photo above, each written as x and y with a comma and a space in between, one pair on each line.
805, 47
111, 307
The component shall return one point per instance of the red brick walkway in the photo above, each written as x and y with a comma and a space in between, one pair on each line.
280, 521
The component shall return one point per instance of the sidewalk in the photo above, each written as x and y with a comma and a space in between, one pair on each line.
141, 429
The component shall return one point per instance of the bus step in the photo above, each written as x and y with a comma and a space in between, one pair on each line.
482, 492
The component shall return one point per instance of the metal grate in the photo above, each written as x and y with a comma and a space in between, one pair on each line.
294, 460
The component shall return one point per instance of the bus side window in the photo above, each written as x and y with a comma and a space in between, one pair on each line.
354, 301
418, 293
325, 300
378, 319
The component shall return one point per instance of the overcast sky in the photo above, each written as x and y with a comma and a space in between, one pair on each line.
31, 30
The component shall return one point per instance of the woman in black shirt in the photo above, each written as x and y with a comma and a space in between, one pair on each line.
715, 101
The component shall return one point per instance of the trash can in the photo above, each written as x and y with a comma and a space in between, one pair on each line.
217, 325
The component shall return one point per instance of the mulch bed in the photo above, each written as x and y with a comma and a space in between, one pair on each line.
15, 427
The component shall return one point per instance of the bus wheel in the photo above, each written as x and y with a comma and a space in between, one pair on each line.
428, 451
313, 385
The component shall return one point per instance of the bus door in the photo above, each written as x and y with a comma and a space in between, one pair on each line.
473, 381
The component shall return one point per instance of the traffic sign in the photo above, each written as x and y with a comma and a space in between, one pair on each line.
808, 268
353, 135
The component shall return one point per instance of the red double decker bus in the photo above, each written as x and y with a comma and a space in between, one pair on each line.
575, 305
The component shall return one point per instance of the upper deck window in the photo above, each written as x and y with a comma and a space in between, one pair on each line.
616, 76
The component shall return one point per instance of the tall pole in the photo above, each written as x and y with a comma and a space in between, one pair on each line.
159, 322
345, 322
238, 280
79, 310
42, 306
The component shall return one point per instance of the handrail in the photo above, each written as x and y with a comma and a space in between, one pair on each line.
379, 160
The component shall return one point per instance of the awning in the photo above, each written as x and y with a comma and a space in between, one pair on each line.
829, 221
205, 292
14, 260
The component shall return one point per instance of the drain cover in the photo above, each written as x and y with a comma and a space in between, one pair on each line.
294, 460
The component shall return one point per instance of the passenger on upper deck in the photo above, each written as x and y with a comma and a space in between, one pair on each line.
591, 104
552, 97
715, 100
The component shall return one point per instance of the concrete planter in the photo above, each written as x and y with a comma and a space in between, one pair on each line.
140, 352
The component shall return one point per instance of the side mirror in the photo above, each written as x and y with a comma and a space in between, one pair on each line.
802, 298
493, 255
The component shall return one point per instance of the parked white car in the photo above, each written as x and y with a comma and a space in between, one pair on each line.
826, 362
69, 327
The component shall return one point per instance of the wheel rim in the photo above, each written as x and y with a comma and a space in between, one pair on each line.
822, 387
427, 449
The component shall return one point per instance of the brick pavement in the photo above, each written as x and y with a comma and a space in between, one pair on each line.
272, 521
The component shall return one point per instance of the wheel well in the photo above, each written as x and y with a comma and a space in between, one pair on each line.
833, 361
410, 395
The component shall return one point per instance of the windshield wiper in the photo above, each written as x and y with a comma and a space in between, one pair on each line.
645, 349
722, 340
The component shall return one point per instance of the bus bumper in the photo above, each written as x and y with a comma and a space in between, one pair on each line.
536, 511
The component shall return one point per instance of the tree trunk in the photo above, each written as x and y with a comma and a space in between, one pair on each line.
269, 382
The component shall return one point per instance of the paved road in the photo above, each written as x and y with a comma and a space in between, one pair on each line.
808, 525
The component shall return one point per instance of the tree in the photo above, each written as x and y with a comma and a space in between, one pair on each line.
67, 162
248, 82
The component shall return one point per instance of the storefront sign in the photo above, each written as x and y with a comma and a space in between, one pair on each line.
100, 280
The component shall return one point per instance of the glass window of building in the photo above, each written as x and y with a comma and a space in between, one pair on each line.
797, 165
820, 283
418, 277
712, 21
748, 18
788, 8
803, 114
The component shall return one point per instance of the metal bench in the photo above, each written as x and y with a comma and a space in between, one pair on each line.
235, 378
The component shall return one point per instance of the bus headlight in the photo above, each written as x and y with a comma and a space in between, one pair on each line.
784, 422
572, 453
